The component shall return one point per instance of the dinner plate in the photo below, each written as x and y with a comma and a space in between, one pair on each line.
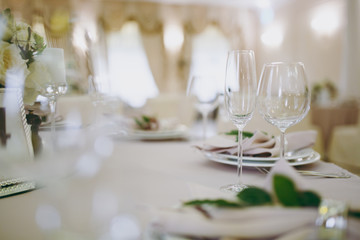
301, 153
59, 126
248, 162
179, 131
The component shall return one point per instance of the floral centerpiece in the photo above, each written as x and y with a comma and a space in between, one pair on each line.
324, 92
19, 46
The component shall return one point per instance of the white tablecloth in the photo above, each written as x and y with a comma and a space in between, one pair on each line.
98, 189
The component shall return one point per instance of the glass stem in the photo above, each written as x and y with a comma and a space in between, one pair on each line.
204, 123
52, 104
239, 156
282, 144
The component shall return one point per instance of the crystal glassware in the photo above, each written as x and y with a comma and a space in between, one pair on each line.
240, 100
53, 59
283, 96
206, 93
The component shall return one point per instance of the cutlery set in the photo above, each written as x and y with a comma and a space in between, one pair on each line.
312, 173
14, 186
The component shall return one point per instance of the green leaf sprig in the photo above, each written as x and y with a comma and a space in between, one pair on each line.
245, 134
285, 194
147, 123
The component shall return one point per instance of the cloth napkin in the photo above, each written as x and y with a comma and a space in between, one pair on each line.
253, 222
260, 144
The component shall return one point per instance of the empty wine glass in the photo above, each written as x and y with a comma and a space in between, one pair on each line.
240, 100
98, 78
283, 96
205, 91
53, 60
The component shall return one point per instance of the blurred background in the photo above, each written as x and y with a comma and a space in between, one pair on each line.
153, 47
142, 50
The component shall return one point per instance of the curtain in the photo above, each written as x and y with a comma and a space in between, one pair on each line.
194, 23
60, 19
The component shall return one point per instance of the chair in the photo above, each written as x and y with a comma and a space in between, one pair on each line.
344, 147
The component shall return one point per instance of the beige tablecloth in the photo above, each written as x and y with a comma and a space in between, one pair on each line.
101, 187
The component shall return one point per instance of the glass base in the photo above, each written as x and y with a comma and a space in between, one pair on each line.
233, 188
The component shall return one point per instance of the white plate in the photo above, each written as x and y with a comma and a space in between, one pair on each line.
302, 153
230, 160
59, 126
179, 132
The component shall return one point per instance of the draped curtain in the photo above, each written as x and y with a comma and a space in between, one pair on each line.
150, 16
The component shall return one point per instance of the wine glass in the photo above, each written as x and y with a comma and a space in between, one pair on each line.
53, 60
206, 93
98, 79
283, 96
240, 100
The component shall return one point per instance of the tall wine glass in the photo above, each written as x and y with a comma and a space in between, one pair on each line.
98, 75
240, 100
53, 59
283, 96
206, 93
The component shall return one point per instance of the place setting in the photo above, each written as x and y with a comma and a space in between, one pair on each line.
261, 149
264, 211
151, 128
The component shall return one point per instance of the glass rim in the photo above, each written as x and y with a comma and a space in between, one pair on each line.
283, 64
241, 51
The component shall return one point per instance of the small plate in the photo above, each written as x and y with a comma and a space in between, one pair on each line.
178, 132
60, 126
247, 162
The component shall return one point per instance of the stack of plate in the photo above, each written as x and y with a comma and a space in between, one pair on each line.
180, 131
297, 158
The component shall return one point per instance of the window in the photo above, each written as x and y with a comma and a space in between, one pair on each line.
209, 54
130, 74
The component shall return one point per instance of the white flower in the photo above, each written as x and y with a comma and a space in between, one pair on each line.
6, 33
30, 95
36, 81
39, 76
13, 68
18, 50
21, 36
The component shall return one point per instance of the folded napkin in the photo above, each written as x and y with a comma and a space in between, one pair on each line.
252, 222
260, 144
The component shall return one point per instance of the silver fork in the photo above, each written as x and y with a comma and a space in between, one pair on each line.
313, 173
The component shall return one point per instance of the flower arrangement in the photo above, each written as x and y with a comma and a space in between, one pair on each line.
324, 91
19, 46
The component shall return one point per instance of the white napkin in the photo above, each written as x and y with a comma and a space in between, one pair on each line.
260, 144
283, 167
254, 222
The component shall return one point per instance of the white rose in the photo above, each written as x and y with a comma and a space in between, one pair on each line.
39, 76
30, 95
35, 81
22, 35
6, 32
12, 64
